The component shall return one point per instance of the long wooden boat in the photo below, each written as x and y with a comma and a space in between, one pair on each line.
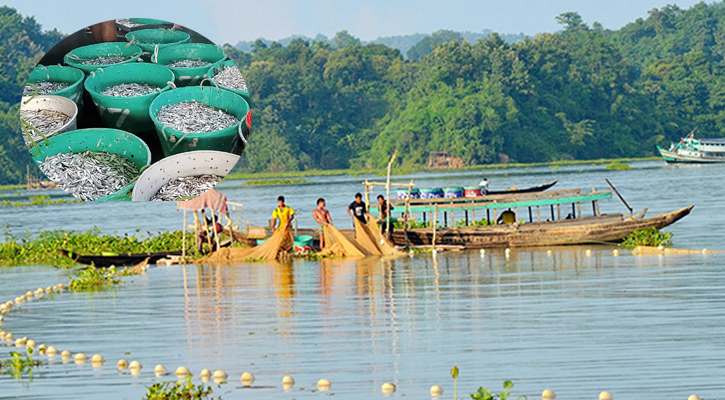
104, 261
533, 189
586, 230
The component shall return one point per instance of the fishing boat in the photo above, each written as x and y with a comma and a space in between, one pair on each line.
533, 189
119, 260
692, 150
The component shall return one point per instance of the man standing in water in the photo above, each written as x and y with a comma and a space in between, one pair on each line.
284, 213
358, 209
322, 216
383, 207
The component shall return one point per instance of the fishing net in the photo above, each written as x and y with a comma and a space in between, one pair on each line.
385, 247
281, 242
337, 244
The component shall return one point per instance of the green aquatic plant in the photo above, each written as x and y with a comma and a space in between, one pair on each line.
647, 237
18, 366
94, 279
179, 391
454, 375
270, 182
37, 201
462, 223
618, 166
485, 394
41, 248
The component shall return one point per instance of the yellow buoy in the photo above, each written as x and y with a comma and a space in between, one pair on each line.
80, 358
160, 370
30, 344
388, 387
9, 337
42, 348
19, 342
122, 364
247, 379
181, 372
205, 373
97, 360
28, 294
548, 394
288, 381
220, 376
615, 252
436, 390
323, 385
49, 290
135, 365
51, 351
693, 397
588, 253
605, 396
549, 252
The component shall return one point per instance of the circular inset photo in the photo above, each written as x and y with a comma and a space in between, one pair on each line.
135, 109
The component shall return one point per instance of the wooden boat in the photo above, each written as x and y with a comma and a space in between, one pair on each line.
595, 229
692, 150
533, 189
104, 261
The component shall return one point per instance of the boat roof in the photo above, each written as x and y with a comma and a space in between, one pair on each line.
706, 141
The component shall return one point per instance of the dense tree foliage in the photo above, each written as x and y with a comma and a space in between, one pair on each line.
581, 93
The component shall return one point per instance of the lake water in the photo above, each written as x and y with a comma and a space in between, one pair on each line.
640, 327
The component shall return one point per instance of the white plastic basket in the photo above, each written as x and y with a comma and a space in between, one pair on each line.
190, 163
55, 103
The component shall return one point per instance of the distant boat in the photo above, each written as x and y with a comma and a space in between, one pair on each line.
691, 150
533, 189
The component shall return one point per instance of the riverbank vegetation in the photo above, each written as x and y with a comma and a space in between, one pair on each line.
272, 182
38, 201
41, 248
583, 93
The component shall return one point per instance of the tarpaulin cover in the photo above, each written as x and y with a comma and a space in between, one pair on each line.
210, 199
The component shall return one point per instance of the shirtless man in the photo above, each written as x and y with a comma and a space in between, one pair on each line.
322, 216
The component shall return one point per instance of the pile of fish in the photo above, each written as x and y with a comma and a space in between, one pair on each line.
230, 77
44, 88
105, 60
195, 117
186, 187
188, 63
44, 120
128, 23
89, 175
130, 90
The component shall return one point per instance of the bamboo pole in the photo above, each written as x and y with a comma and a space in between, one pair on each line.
183, 240
216, 235
538, 213
387, 190
405, 215
367, 196
435, 225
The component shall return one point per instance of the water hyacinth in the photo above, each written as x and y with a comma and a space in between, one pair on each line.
195, 117
130, 90
185, 187
188, 63
230, 77
44, 88
44, 120
89, 175
105, 60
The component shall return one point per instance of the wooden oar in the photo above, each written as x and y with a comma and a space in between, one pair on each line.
631, 211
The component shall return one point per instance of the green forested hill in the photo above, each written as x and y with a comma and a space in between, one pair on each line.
581, 93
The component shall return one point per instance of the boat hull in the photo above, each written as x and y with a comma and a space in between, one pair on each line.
675, 158
119, 260
534, 189
605, 228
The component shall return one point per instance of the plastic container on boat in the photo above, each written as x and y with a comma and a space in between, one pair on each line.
191, 163
58, 73
190, 51
128, 113
453, 193
303, 244
75, 57
149, 39
472, 191
436, 193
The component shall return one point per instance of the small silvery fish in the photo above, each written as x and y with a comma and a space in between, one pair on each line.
230, 77
105, 60
195, 117
46, 121
184, 187
188, 63
130, 90
44, 88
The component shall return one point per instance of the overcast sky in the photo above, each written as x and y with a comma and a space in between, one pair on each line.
232, 20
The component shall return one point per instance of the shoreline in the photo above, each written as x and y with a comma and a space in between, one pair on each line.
234, 176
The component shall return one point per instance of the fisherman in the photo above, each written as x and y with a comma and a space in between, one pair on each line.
358, 209
322, 216
383, 207
507, 217
284, 213
484, 185
212, 229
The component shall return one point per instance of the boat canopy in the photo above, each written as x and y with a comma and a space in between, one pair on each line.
211, 199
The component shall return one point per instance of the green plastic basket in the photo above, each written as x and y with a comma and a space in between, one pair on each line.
229, 63
149, 39
75, 56
127, 113
194, 51
228, 140
150, 21
59, 73
99, 139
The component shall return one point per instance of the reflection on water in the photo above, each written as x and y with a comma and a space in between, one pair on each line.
637, 326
